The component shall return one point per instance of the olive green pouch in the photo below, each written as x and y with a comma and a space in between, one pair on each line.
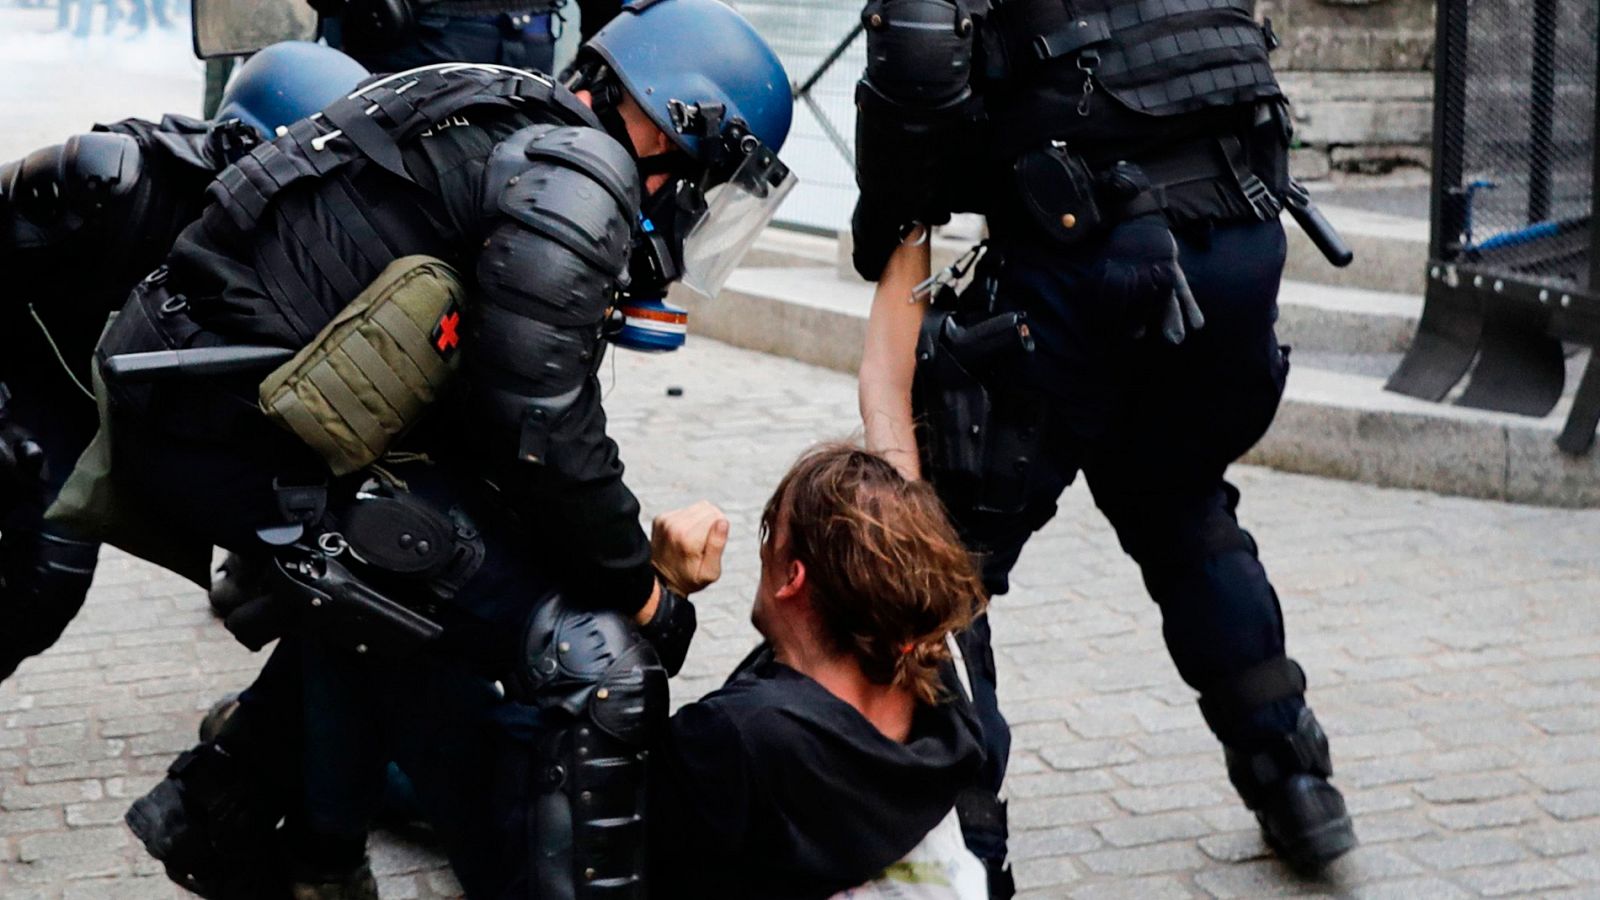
372, 372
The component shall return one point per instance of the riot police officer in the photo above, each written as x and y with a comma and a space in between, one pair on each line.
80, 223
394, 35
435, 532
1130, 157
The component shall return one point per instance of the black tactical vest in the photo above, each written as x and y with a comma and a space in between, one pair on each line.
1157, 57
299, 226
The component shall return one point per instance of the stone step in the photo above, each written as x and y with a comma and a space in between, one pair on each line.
1336, 421
1342, 425
1391, 252
823, 316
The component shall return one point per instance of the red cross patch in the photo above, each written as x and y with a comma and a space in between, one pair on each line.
445, 339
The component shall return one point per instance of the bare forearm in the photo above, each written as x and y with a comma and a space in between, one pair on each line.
888, 362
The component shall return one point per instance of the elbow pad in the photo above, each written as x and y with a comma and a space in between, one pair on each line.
562, 203
71, 182
915, 112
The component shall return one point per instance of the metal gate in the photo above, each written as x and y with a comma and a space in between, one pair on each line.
820, 45
1514, 259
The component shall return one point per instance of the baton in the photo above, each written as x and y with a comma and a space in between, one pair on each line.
194, 362
1316, 225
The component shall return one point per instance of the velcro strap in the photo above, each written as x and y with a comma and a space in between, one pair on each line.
349, 116
394, 105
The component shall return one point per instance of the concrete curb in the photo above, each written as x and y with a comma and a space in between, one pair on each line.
1346, 426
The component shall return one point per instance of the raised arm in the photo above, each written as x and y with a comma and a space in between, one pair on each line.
888, 361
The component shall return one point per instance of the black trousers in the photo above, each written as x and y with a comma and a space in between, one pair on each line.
1153, 428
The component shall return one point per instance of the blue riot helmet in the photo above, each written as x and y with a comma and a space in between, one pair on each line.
707, 79
676, 54
286, 82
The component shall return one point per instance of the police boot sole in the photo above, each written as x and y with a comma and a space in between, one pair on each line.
1313, 850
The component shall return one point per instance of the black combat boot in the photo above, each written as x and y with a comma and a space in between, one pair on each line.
1284, 781
214, 827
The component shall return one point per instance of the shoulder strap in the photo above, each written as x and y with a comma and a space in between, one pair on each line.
372, 124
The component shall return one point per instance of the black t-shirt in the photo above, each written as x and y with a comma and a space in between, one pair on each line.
773, 788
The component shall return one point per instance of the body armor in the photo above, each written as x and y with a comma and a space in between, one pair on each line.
1157, 57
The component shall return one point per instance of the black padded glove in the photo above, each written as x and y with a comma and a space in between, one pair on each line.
671, 629
1139, 271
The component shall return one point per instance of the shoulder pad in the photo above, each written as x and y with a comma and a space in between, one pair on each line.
575, 186
588, 150
78, 176
594, 153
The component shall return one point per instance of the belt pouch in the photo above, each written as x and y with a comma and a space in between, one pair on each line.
372, 371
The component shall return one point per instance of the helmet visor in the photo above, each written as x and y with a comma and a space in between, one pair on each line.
736, 212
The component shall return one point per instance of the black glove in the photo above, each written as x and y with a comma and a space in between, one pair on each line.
671, 629
1139, 271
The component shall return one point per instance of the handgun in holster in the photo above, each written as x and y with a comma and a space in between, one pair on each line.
378, 581
977, 437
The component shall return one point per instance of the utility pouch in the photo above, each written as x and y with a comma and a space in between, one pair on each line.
1058, 190
372, 372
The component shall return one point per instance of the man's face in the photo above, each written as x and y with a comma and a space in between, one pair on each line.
648, 140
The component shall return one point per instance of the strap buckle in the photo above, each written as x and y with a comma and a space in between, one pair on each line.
950, 274
1262, 201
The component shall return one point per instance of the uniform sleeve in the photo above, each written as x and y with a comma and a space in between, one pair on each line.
560, 203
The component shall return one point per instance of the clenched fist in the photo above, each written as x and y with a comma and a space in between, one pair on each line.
686, 546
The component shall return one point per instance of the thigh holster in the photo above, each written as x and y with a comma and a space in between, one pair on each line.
979, 420
373, 582
602, 697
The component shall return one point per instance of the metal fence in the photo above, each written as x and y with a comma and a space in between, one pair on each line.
820, 45
1514, 253
1523, 137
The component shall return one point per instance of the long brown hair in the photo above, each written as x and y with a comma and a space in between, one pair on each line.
889, 577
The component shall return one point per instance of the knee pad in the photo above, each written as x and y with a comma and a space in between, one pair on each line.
602, 694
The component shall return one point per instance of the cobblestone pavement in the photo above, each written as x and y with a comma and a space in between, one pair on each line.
1453, 648
1451, 644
